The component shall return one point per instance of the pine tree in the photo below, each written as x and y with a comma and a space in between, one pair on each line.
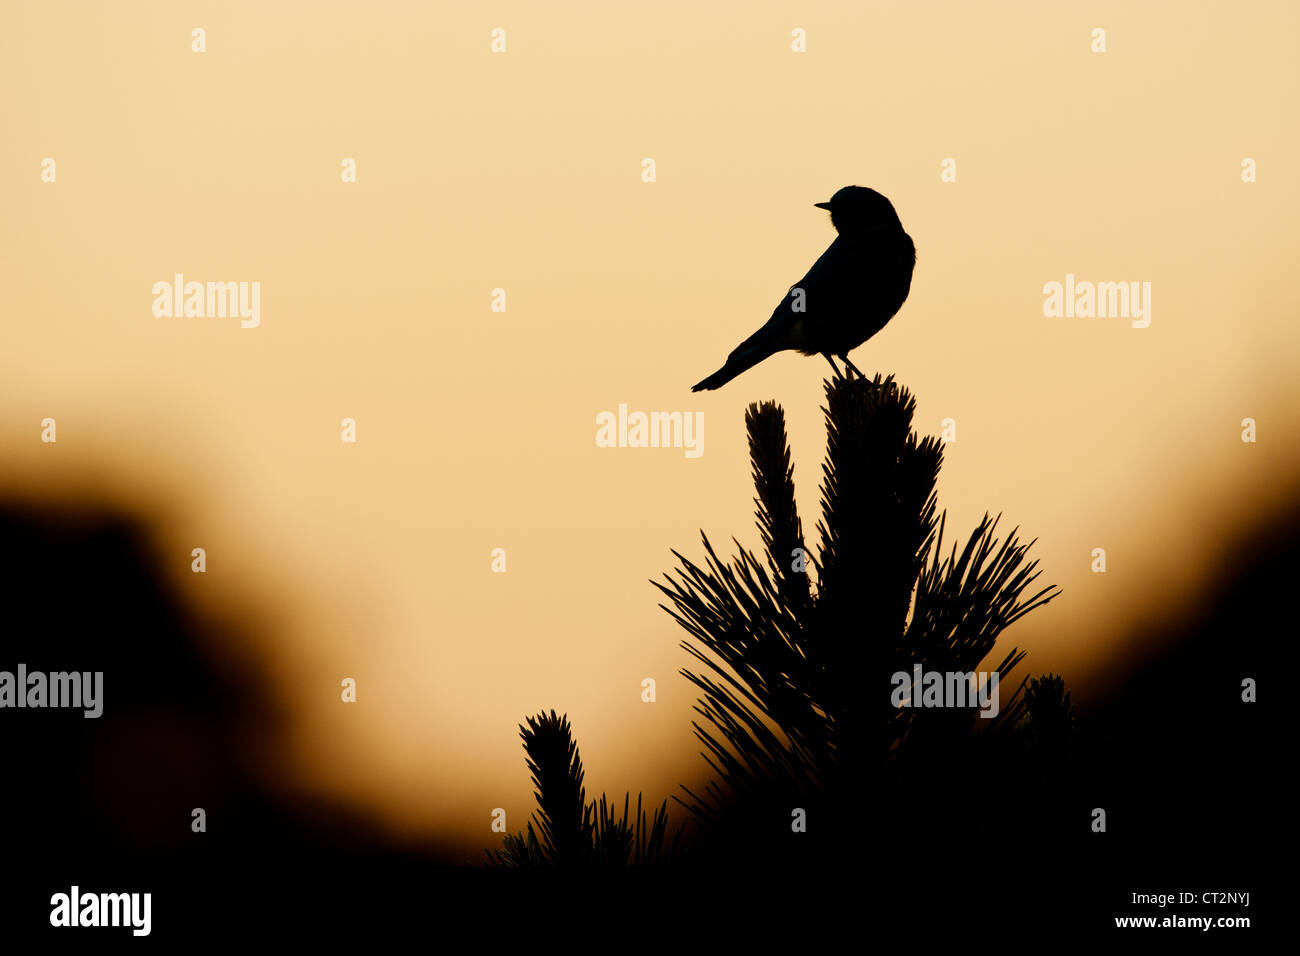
800, 654
797, 708
565, 830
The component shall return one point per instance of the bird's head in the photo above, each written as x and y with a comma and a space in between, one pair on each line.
857, 209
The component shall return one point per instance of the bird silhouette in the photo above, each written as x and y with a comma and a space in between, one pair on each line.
848, 295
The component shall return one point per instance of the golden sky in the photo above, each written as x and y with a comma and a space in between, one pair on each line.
522, 171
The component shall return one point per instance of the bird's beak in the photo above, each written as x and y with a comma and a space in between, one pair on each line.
822, 205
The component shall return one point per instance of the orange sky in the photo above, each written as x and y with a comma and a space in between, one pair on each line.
522, 171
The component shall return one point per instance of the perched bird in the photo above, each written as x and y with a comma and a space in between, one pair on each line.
847, 296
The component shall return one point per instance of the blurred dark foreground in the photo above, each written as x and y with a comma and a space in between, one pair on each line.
1190, 778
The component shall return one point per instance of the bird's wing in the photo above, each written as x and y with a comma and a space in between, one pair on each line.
827, 282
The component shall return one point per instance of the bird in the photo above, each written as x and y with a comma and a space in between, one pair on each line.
857, 285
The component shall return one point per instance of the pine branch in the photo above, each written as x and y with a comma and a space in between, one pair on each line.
793, 700
573, 832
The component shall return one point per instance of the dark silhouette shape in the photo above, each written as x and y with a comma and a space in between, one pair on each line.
188, 721
849, 294
799, 680
573, 832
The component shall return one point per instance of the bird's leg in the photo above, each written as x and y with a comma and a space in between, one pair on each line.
849, 365
833, 365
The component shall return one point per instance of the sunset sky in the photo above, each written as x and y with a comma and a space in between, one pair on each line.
476, 429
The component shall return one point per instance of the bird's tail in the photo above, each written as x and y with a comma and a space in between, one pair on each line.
748, 354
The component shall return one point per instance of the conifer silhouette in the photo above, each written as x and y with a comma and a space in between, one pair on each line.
797, 706
796, 698
572, 832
